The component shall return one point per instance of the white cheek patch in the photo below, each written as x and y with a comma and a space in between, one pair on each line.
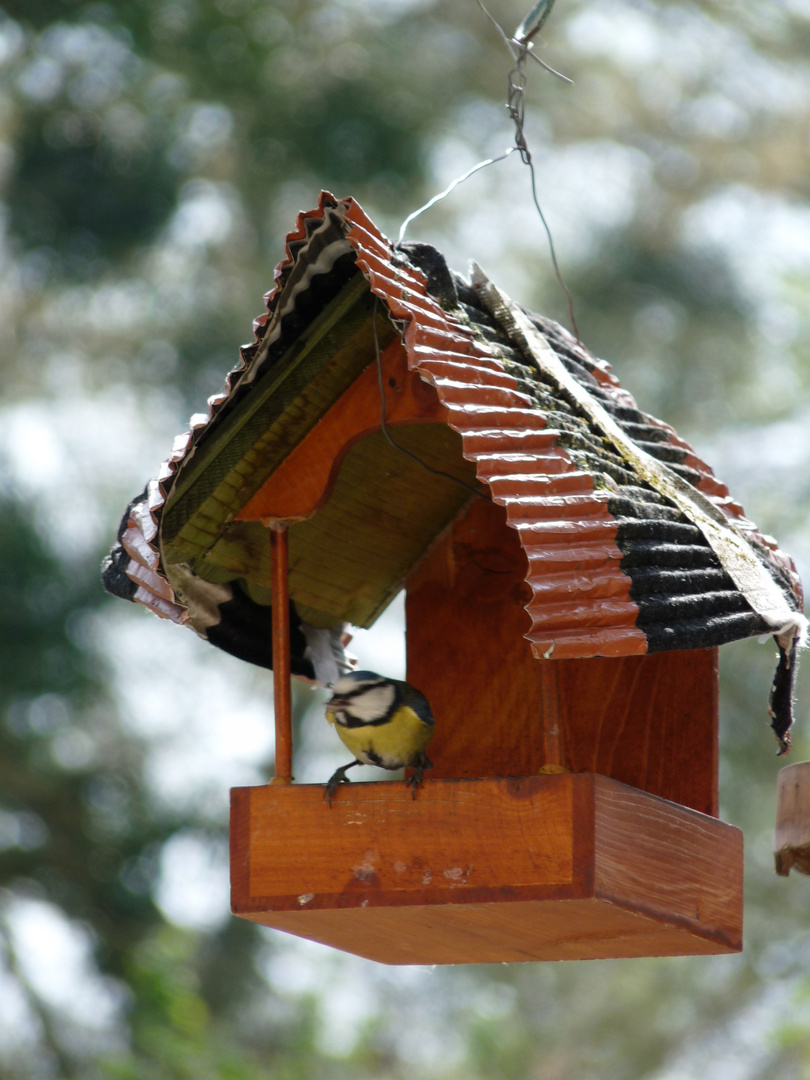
372, 703
342, 717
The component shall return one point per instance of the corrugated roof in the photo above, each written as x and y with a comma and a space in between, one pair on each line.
614, 566
614, 569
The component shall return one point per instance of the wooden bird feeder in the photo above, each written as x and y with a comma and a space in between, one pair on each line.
563, 614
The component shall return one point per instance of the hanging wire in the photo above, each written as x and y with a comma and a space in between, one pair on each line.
384, 426
520, 47
525, 32
516, 107
451, 187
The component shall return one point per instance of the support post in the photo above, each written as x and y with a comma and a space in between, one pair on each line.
282, 698
550, 696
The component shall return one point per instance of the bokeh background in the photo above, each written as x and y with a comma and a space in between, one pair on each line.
154, 154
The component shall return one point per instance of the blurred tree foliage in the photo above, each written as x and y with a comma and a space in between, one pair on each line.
153, 155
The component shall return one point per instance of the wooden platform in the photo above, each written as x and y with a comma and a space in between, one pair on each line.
563, 867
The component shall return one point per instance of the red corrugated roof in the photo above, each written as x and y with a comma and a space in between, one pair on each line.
580, 598
581, 603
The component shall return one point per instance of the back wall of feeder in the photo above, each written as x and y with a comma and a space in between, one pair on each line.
570, 566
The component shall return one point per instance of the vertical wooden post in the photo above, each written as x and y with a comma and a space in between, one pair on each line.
552, 742
282, 697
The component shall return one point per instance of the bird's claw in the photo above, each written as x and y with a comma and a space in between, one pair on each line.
337, 778
415, 780
332, 786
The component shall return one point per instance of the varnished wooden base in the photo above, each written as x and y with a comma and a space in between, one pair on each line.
565, 867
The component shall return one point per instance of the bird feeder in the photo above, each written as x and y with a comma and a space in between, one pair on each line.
570, 568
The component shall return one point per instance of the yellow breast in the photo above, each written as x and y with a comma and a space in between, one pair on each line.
392, 745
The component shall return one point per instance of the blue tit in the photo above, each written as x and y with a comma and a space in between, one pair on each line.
383, 722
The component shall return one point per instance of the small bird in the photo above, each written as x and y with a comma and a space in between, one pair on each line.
383, 722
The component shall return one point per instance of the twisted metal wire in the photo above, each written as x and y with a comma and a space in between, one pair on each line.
516, 107
520, 48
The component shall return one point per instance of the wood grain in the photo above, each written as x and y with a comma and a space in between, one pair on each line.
494, 933
466, 651
635, 836
304, 479
792, 839
649, 721
487, 871
282, 691
349, 560
286, 401
377, 838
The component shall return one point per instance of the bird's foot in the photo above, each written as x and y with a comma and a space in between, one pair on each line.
337, 778
414, 781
